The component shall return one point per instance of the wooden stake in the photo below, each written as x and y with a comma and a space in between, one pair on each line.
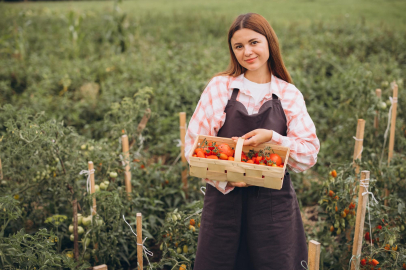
378, 93
357, 155
1, 171
393, 122
139, 242
314, 255
92, 189
127, 173
144, 120
360, 220
392, 131
358, 143
75, 230
100, 267
182, 117
142, 124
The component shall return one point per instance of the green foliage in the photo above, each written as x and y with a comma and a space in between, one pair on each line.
74, 81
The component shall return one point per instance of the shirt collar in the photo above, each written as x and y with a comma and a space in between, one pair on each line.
238, 82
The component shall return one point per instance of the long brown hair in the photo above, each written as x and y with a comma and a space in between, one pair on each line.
260, 25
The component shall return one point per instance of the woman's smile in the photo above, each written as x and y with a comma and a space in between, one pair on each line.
251, 60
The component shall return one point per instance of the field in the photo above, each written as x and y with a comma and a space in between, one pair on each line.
76, 76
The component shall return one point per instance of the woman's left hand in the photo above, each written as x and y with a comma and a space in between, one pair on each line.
256, 137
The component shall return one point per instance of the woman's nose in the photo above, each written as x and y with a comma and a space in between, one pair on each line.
248, 51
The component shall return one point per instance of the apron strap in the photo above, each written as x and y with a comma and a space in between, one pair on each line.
235, 94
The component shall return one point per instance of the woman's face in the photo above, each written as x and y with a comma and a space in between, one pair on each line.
251, 49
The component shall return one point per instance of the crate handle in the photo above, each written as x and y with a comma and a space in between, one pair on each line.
238, 149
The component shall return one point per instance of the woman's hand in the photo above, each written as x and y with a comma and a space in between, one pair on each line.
237, 184
256, 137
253, 138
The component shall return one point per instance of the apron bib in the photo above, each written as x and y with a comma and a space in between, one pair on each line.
251, 227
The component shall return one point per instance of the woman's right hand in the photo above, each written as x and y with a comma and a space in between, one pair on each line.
237, 184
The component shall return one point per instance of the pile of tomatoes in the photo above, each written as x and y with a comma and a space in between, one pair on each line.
225, 152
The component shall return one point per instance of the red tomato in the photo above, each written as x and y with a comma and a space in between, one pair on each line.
250, 161
213, 157
243, 157
226, 149
223, 156
231, 158
275, 158
197, 150
207, 151
201, 154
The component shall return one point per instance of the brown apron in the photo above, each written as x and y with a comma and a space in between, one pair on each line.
251, 227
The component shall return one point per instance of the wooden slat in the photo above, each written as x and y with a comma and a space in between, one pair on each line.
359, 142
378, 93
393, 122
238, 150
392, 132
143, 123
216, 168
182, 127
217, 176
314, 255
139, 242
92, 189
360, 220
127, 172
253, 173
198, 171
273, 183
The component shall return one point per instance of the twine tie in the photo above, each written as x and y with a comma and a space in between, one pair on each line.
88, 173
146, 251
352, 258
362, 147
392, 101
306, 267
201, 189
365, 184
178, 142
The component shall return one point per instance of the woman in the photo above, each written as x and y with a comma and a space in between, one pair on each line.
242, 226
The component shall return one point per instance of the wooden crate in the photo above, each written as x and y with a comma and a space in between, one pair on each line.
237, 171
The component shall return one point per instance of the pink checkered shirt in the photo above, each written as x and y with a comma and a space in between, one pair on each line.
209, 117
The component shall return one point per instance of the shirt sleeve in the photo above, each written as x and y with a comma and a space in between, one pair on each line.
301, 135
208, 118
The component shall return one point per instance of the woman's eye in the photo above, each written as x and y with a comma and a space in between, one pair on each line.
238, 46
254, 42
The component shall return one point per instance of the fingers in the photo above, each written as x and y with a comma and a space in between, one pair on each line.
252, 141
250, 134
237, 184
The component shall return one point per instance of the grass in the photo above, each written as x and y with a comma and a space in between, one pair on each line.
374, 12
